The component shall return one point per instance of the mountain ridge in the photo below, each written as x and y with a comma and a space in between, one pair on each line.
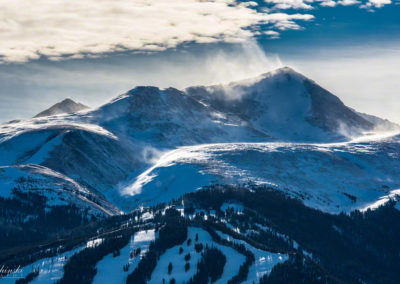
66, 106
108, 150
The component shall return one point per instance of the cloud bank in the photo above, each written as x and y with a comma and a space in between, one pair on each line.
64, 29
61, 29
310, 4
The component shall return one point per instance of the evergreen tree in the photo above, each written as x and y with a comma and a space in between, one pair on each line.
169, 268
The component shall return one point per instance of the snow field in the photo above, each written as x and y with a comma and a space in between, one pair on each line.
334, 178
233, 260
110, 269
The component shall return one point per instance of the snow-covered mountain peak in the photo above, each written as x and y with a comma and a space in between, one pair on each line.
284, 71
148, 102
65, 106
282, 104
283, 74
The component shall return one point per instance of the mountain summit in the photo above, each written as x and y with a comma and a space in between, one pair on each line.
65, 106
286, 105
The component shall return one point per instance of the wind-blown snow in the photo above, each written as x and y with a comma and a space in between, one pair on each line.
333, 177
166, 160
9, 130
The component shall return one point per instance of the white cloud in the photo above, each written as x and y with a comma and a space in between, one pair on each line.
328, 3
282, 22
250, 4
380, 3
371, 4
60, 29
290, 4
331, 3
77, 28
348, 2
272, 34
307, 4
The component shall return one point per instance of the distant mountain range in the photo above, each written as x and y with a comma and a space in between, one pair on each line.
270, 161
106, 151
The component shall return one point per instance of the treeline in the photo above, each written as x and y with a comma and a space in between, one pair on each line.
273, 241
29, 277
56, 243
345, 248
260, 229
349, 247
25, 218
81, 267
210, 267
173, 233
240, 248
298, 270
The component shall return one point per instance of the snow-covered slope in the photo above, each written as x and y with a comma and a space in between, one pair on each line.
110, 267
50, 269
331, 177
56, 188
170, 118
264, 261
286, 105
233, 259
143, 146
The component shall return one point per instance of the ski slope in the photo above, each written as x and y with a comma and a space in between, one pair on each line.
233, 260
264, 261
110, 269
50, 269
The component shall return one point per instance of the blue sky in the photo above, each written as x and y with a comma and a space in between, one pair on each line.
92, 51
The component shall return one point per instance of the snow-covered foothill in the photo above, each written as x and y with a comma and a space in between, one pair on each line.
332, 177
57, 188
